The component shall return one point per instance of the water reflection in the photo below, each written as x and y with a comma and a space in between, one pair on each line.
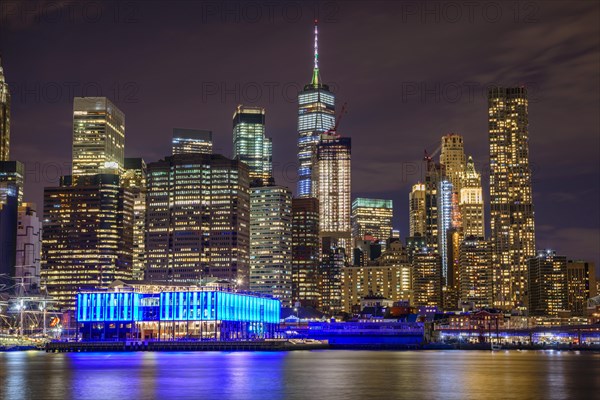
300, 375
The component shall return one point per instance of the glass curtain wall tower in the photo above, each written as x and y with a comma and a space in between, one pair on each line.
98, 137
316, 115
251, 146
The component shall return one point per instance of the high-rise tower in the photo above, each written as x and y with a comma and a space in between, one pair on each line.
372, 217
332, 181
4, 117
471, 201
98, 137
416, 200
271, 242
511, 203
316, 109
452, 156
198, 219
251, 146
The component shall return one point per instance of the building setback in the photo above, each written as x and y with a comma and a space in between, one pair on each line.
198, 219
87, 236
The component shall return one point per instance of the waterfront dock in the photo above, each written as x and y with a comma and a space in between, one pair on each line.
116, 346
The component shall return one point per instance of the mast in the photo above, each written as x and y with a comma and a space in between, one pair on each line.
315, 76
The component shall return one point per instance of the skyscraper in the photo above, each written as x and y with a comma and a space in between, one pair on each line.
373, 218
475, 274
581, 285
471, 202
87, 235
444, 219
316, 115
12, 173
98, 137
305, 252
198, 219
426, 278
271, 242
134, 178
434, 175
547, 284
251, 146
333, 188
29, 247
333, 261
9, 204
186, 141
4, 117
416, 203
452, 156
511, 203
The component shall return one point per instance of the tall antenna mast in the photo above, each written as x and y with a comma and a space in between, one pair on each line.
315, 77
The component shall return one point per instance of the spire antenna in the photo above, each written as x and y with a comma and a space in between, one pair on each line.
315, 76
316, 44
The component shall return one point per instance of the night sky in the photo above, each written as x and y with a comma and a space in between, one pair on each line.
408, 72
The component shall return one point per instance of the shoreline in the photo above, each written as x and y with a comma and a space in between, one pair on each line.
278, 345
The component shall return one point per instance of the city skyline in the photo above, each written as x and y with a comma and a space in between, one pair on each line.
553, 229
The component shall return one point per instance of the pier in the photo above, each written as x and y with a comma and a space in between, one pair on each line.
116, 346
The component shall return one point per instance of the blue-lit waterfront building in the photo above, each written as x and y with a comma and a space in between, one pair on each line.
176, 313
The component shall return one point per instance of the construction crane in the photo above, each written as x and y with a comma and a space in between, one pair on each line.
428, 158
333, 131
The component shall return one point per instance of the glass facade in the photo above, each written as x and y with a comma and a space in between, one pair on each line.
98, 137
250, 145
316, 115
372, 217
444, 223
176, 306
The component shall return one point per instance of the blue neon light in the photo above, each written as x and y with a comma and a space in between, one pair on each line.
176, 306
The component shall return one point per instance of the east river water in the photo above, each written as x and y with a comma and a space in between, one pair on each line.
327, 374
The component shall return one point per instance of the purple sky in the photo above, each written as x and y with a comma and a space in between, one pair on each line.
409, 72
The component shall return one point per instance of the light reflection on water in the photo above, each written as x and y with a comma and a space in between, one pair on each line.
300, 375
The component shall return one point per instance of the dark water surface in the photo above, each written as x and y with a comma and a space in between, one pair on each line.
327, 374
